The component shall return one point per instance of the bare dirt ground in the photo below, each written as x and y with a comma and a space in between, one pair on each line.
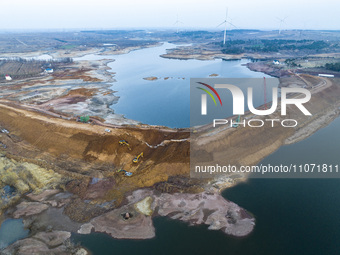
95, 147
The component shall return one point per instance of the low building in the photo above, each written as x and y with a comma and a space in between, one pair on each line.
326, 75
8, 78
276, 62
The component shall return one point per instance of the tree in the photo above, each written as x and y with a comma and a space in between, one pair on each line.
84, 119
333, 66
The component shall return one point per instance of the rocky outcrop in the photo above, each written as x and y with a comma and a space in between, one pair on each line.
54, 238
45, 243
138, 226
209, 209
21, 177
29, 208
151, 78
43, 195
203, 208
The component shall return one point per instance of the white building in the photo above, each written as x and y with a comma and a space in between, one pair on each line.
8, 78
49, 70
326, 75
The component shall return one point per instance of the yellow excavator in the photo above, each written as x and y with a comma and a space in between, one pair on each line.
123, 142
136, 159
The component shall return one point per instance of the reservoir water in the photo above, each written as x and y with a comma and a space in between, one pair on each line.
293, 216
149, 101
10, 231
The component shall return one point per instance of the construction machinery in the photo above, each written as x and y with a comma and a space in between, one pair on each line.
237, 122
137, 159
126, 173
123, 142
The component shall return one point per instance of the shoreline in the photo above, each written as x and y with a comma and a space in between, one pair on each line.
81, 140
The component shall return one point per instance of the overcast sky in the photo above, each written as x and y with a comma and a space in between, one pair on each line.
105, 14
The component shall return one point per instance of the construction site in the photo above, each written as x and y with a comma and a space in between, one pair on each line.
66, 154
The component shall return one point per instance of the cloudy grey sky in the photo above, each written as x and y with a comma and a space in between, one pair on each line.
105, 14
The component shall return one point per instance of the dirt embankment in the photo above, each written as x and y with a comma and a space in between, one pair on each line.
83, 151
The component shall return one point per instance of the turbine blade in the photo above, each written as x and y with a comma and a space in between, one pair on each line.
232, 24
222, 23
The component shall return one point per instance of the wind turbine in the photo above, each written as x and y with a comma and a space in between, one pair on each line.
177, 24
302, 29
282, 21
225, 22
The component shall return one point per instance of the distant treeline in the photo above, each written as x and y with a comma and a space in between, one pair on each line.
34, 60
248, 46
333, 66
19, 68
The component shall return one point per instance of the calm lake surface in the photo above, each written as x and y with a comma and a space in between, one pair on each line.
149, 101
293, 216
10, 231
